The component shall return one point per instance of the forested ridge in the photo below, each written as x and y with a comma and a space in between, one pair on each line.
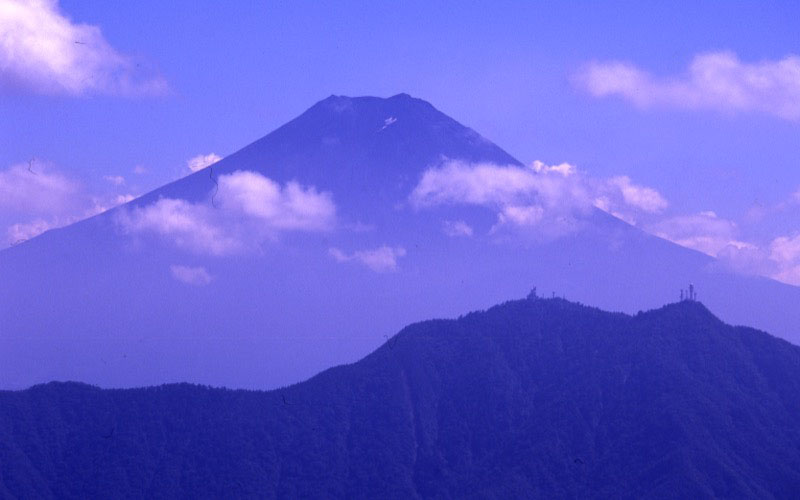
535, 397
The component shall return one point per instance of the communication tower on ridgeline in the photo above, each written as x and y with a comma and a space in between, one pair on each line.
690, 294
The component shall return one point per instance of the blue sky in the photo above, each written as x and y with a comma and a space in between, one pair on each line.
606, 87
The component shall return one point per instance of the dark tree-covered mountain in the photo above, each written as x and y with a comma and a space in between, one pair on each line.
532, 398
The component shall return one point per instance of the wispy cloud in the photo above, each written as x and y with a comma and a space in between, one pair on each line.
457, 228
197, 276
705, 232
718, 237
785, 251
42, 51
550, 200
200, 162
293, 207
37, 189
381, 260
123, 198
187, 225
22, 231
642, 198
36, 196
714, 80
247, 210
549, 197
116, 180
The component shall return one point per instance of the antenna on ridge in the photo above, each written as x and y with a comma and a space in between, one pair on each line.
689, 295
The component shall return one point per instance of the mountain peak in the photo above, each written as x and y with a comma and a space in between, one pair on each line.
691, 310
364, 148
362, 103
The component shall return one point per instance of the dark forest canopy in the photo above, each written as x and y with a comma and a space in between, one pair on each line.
537, 397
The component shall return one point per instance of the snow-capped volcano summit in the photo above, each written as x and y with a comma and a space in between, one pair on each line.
310, 246
366, 148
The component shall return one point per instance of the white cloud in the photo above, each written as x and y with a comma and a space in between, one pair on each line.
789, 275
780, 259
457, 228
197, 276
42, 51
785, 249
479, 184
748, 258
21, 231
249, 209
291, 208
187, 225
139, 170
389, 121
785, 252
548, 197
640, 197
525, 215
39, 191
714, 80
123, 198
36, 197
705, 232
718, 237
381, 260
200, 162
116, 180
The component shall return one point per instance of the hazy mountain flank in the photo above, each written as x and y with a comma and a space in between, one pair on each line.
306, 248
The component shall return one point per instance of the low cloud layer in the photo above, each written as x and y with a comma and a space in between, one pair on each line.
714, 80
43, 52
248, 209
548, 198
381, 260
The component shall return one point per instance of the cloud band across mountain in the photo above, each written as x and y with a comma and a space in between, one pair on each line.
542, 196
247, 210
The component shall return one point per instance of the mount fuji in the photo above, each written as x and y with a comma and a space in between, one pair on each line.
313, 245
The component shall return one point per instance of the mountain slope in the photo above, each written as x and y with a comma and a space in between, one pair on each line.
105, 302
530, 398
370, 148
